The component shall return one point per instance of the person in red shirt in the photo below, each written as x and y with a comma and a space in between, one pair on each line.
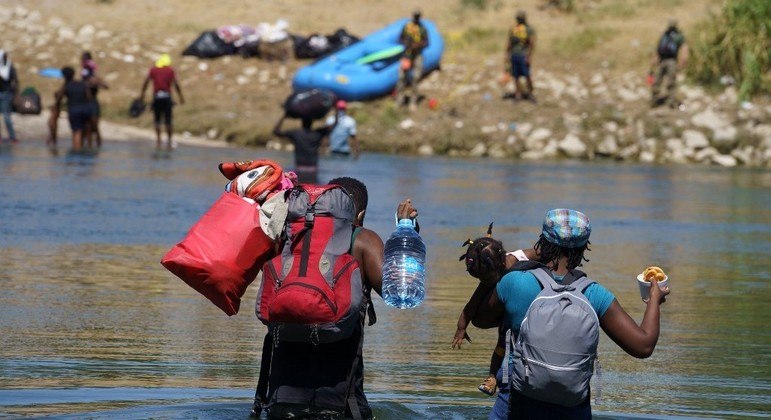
163, 78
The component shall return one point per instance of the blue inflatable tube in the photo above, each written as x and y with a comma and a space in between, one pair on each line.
344, 74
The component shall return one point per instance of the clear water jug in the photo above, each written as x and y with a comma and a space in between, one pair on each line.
404, 267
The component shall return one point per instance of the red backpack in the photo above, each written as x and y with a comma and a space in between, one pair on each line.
313, 291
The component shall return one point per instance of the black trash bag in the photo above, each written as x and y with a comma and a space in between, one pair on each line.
314, 46
319, 46
250, 49
341, 39
137, 107
28, 102
209, 45
311, 103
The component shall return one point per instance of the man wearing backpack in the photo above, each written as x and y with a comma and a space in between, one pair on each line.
555, 384
315, 369
671, 53
519, 51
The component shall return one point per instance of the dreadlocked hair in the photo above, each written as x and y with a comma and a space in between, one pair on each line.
356, 189
551, 253
484, 255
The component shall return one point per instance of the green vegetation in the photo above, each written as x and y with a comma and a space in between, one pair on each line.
475, 4
734, 43
582, 41
481, 39
563, 5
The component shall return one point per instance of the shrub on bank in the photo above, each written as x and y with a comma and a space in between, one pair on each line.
735, 43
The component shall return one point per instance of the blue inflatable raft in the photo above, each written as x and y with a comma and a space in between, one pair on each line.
370, 67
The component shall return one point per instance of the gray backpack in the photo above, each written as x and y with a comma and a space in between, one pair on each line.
556, 349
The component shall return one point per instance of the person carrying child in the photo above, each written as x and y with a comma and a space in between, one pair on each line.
561, 247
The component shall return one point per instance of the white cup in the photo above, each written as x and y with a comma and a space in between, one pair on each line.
645, 286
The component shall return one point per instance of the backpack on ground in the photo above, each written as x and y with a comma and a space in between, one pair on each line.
28, 102
555, 351
668, 45
313, 291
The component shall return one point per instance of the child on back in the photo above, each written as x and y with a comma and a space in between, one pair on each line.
488, 261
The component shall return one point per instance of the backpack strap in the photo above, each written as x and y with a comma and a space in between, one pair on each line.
544, 278
525, 266
572, 276
261, 393
350, 395
506, 356
582, 283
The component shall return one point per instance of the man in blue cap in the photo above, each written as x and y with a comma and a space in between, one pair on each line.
560, 249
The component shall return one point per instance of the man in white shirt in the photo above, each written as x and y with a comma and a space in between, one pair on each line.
342, 137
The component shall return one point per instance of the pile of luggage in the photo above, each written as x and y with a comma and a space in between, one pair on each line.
268, 41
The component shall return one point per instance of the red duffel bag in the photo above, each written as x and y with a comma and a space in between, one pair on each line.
223, 252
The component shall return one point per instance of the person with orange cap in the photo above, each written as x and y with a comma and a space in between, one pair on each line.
163, 78
342, 137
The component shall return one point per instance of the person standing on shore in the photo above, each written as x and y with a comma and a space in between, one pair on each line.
88, 74
342, 137
671, 54
519, 52
9, 86
414, 37
163, 77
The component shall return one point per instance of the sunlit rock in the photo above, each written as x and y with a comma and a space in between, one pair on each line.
695, 139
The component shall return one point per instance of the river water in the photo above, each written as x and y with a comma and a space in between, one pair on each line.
92, 325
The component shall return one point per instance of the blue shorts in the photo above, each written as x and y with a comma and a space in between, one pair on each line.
500, 409
519, 66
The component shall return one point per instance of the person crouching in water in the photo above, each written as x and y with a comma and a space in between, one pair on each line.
79, 105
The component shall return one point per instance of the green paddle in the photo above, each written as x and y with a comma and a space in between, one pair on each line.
381, 55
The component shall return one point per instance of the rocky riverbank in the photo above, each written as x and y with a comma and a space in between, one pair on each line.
580, 114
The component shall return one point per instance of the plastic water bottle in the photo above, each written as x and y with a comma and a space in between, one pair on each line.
404, 267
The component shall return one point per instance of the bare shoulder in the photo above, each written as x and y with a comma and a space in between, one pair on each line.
367, 239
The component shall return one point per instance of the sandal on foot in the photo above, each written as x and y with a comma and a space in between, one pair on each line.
489, 386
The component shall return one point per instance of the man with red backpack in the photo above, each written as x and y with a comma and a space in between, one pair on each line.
313, 298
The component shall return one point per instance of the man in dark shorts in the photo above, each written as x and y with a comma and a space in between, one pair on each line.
79, 105
307, 142
414, 37
163, 78
519, 51
326, 380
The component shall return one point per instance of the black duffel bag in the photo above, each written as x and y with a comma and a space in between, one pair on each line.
312, 103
